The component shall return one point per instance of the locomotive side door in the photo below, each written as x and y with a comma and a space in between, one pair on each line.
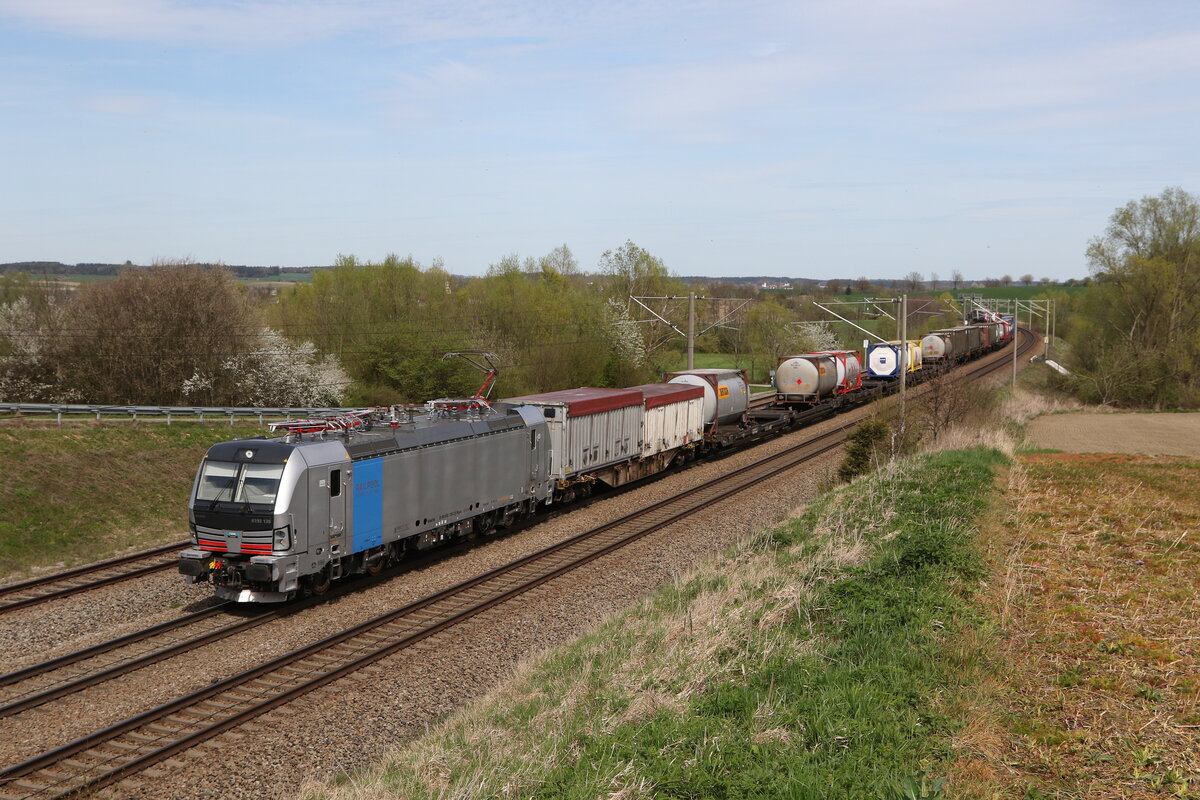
327, 511
339, 479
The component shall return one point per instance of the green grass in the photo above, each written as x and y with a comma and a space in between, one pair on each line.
708, 361
756, 366
812, 663
283, 277
85, 491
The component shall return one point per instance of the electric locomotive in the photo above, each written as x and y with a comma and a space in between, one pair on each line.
273, 518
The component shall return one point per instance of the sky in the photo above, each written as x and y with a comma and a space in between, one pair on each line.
806, 139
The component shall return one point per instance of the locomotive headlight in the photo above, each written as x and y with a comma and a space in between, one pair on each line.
283, 539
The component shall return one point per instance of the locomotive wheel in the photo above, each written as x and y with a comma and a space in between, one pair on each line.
319, 583
374, 565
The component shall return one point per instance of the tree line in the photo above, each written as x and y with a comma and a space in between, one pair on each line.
361, 333
368, 333
1134, 334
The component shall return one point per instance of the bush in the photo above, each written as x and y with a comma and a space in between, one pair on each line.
863, 448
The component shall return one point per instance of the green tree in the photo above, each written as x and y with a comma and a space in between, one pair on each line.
1134, 336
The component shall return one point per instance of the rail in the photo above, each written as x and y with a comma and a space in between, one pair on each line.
59, 410
87, 577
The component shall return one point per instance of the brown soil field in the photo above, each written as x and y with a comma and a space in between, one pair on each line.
1144, 434
1094, 691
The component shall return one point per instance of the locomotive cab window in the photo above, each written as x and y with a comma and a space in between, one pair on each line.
335, 483
227, 482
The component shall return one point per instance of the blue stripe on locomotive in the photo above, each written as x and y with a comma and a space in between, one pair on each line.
368, 505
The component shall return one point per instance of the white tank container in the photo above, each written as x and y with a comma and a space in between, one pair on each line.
726, 392
936, 346
883, 358
809, 377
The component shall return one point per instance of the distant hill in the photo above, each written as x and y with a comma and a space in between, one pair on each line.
59, 268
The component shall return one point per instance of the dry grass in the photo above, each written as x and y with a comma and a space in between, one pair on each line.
1096, 692
1023, 405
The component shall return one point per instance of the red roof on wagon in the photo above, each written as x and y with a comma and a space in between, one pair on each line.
661, 394
585, 400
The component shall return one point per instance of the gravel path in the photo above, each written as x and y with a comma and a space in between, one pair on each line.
1147, 434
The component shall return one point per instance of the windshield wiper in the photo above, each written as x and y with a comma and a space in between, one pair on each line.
227, 487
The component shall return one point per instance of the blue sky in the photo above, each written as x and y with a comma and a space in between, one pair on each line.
815, 139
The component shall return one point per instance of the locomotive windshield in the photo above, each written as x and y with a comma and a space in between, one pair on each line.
227, 482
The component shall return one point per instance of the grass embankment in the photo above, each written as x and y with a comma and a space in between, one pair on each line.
1097, 689
86, 491
811, 662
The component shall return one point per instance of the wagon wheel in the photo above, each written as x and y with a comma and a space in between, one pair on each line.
485, 523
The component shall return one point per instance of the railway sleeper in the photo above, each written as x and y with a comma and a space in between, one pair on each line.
27, 785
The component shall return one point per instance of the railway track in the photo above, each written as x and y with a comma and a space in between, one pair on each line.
49, 680
57, 677
107, 756
90, 576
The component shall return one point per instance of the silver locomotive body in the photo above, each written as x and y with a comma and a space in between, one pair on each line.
275, 517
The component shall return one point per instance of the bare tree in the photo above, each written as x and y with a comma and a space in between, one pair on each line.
956, 277
913, 281
1027, 279
139, 338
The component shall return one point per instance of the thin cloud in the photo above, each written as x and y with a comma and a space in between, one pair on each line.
704, 102
180, 22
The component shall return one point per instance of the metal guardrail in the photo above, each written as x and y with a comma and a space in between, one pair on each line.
59, 410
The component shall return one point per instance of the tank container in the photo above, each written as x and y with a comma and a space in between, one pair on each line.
883, 358
808, 377
726, 392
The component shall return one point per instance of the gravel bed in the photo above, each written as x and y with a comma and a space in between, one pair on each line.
354, 721
38, 632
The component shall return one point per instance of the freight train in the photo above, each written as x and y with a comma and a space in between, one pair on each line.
272, 519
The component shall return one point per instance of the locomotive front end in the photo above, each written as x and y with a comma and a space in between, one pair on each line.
244, 537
